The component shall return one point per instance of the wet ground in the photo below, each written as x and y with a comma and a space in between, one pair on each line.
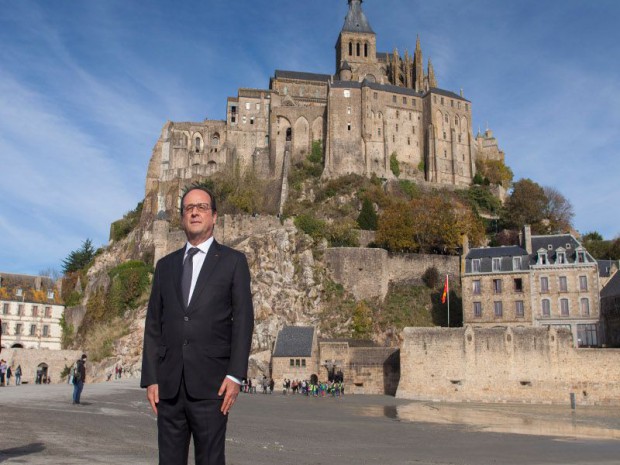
38, 425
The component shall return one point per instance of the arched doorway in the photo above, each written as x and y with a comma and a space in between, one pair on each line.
17, 346
42, 376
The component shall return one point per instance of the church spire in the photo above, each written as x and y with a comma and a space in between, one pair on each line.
355, 20
432, 81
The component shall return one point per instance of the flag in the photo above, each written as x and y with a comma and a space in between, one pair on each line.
445, 291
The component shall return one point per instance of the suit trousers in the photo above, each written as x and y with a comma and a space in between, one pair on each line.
183, 417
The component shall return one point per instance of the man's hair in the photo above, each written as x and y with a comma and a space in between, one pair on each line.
83, 356
203, 189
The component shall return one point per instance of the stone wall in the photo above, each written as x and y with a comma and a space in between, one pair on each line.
366, 273
536, 365
31, 359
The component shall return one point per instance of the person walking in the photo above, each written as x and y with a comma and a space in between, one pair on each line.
9, 373
18, 375
197, 337
79, 378
2, 372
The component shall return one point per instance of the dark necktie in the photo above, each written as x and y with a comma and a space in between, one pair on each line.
186, 278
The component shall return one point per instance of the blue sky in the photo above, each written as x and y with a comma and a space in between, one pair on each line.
86, 86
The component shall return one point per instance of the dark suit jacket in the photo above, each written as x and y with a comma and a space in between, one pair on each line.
206, 341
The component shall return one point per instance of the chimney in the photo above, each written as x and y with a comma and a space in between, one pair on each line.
527, 238
465, 245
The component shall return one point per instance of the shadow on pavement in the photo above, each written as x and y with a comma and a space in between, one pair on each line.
20, 451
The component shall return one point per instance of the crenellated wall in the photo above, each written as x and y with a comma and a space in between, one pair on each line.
536, 365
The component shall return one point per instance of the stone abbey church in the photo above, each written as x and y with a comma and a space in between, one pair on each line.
374, 107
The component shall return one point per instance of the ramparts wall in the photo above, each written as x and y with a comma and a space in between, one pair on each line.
536, 365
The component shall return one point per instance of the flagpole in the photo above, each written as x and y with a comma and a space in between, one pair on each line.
448, 296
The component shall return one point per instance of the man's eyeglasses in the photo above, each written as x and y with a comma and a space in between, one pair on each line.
201, 207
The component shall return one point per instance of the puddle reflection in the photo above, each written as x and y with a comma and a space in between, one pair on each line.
540, 420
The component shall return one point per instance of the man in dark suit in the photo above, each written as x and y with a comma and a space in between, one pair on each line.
197, 338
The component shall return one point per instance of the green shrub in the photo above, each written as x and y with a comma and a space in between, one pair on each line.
422, 166
129, 281
394, 165
409, 188
431, 277
367, 219
121, 228
310, 225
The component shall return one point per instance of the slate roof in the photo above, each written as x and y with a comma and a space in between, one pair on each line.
356, 20
553, 242
294, 341
495, 252
447, 93
604, 267
612, 289
301, 76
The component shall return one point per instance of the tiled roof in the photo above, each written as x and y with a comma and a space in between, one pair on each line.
294, 341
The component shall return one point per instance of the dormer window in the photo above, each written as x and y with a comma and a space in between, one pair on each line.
50, 295
19, 292
516, 263
475, 265
497, 264
542, 257
560, 256
581, 256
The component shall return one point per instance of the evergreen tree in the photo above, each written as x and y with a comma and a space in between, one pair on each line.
78, 259
367, 220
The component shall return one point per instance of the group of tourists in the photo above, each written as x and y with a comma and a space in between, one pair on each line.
312, 388
6, 373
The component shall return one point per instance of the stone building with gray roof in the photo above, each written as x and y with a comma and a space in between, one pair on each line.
545, 281
374, 106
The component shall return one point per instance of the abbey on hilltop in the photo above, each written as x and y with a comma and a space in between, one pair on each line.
375, 107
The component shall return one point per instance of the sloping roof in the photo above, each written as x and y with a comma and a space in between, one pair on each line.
495, 252
604, 267
356, 20
301, 76
612, 289
294, 341
447, 93
553, 242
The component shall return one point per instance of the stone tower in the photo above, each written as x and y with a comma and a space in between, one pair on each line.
357, 46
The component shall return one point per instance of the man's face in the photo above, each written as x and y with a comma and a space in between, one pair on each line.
197, 224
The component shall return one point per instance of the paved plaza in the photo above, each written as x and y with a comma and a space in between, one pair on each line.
38, 425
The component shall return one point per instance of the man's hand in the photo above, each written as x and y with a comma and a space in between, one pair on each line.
152, 394
231, 391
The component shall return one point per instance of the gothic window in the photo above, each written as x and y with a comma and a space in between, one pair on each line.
215, 140
350, 48
456, 121
446, 118
365, 50
459, 138
358, 49
289, 134
442, 100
